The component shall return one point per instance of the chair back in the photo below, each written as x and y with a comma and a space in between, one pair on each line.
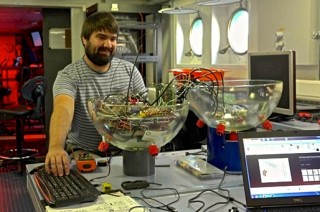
34, 90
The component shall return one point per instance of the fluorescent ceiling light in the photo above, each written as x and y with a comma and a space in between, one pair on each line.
177, 11
216, 2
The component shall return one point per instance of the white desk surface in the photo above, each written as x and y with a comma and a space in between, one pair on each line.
170, 177
295, 125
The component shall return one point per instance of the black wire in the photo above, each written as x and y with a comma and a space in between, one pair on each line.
223, 177
159, 184
194, 199
215, 204
227, 197
145, 202
165, 207
207, 75
201, 152
149, 205
131, 75
237, 201
215, 84
138, 206
216, 81
162, 93
109, 169
177, 77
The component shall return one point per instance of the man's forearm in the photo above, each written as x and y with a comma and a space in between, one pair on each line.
59, 128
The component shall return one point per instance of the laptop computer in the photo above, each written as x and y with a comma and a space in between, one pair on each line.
281, 169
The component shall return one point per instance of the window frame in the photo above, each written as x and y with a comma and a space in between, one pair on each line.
230, 22
191, 42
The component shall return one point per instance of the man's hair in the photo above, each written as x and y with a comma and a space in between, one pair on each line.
99, 21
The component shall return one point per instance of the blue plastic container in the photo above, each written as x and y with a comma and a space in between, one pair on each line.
222, 153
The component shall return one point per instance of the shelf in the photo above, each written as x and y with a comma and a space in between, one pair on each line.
123, 7
141, 58
137, 25
133, 20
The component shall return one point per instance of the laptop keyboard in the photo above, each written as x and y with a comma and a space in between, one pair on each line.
66, 190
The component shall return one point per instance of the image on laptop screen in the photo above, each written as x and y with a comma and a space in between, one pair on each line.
281, 167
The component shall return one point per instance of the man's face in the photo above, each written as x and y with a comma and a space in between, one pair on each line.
101, 47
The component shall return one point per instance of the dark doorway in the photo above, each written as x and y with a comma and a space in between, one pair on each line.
54, 59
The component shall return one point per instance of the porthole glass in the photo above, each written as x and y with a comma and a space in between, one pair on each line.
195, 37
238, 31
179, 43
215, 39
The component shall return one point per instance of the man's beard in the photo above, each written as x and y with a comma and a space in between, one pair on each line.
96, 58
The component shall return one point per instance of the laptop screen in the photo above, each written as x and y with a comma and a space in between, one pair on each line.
281, 167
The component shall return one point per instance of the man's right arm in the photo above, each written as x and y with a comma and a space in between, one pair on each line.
57, 159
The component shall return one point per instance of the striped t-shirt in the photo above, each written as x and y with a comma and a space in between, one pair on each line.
82, 83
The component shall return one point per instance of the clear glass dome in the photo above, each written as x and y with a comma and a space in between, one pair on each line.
237, 104
134, 125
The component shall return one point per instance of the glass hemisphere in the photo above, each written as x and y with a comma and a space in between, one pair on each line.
136, 125
239, 105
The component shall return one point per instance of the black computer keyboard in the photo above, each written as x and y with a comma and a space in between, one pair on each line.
66, 190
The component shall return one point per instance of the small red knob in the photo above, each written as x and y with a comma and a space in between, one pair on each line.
267, 125
233, 136
103, 146
200, 123
220, 129
153, 150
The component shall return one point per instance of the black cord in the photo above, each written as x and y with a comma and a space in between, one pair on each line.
221, 189
162, 206
227, 197
131, 75
109, 169
194, 200
149, 205
162, 93
137, 207
201, 152
213, 89
237, 201
158, 189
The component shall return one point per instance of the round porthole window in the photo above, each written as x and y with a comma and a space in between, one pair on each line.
238, 31
195, 37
